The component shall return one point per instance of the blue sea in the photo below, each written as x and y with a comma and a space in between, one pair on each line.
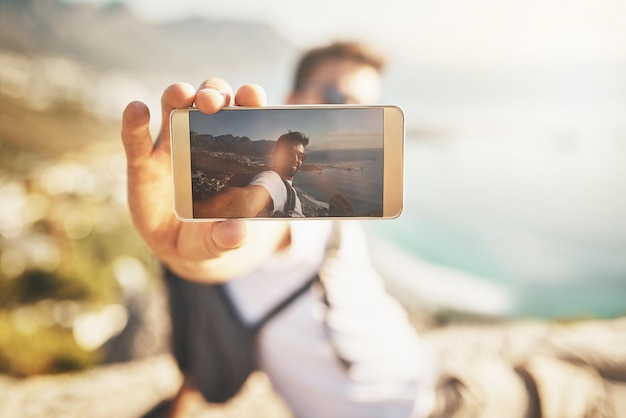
357, 174
533, 228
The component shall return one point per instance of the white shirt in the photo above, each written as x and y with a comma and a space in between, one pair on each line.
278, 192
390, 374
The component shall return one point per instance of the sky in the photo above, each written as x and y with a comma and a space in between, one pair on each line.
477, 32
453, 63
530, 96
549, 61
336, 128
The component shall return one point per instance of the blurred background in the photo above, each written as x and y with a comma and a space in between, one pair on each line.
515, 155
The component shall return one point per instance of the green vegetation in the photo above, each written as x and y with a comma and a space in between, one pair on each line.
64, 227
50, 349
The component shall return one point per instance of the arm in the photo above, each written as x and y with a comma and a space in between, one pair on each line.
235, 202
198, 251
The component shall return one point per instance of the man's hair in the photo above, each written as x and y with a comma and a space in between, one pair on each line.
354, 51
290, 136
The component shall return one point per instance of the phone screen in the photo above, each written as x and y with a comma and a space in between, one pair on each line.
289, 162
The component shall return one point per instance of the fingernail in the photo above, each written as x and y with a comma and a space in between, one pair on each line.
229, 234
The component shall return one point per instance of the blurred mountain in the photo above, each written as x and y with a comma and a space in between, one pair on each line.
239, 145
63, 65
112, 37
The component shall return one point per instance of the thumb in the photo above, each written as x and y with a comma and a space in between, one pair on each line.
229, 234
135, 132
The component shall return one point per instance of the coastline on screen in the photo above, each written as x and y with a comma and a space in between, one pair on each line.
342, 171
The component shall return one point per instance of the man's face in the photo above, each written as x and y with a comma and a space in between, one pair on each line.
288, 158
340, 81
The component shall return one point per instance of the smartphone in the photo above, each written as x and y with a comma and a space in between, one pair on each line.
296, 162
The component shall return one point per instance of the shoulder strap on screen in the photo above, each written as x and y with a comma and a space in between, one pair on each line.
290, 205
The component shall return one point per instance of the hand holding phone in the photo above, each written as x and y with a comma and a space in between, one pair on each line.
288, 162
207, 251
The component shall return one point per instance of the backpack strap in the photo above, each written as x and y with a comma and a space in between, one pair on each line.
284, 303
290, 205
210, 340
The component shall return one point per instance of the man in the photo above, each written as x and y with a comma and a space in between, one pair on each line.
359, 358
344, 349
269, 193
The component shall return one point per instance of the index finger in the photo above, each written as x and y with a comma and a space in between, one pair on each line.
213, 95
176, 96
